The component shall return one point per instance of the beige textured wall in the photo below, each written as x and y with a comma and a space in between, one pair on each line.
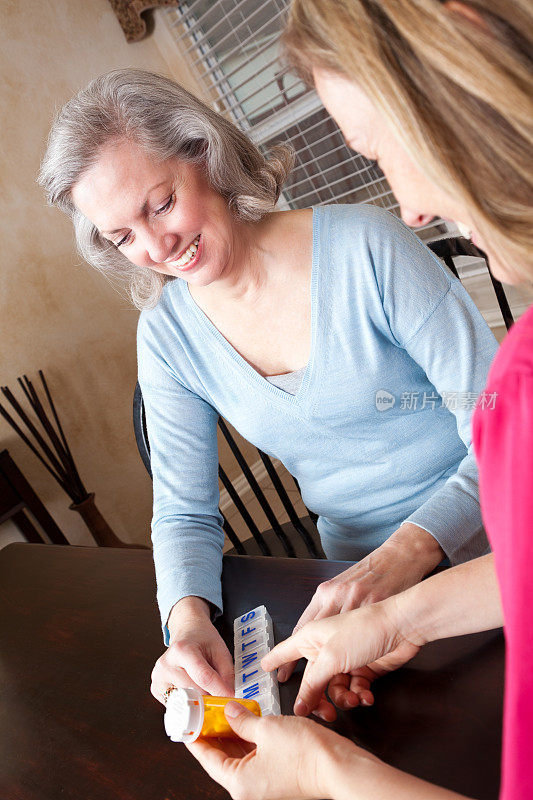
55, 312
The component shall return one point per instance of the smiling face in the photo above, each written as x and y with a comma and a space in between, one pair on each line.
162, 215
366, 131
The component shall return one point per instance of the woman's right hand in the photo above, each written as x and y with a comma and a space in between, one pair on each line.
196, 656
344, 654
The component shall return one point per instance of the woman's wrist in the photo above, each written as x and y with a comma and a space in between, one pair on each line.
418, 544
188, 608
347, 772
413, 615
454, 602
362, 776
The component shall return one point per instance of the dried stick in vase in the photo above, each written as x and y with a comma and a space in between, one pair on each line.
51, 448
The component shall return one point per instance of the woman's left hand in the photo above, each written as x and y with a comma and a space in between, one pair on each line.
278, 757
404, 559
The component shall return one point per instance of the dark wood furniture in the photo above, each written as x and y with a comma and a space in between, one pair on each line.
449, 247
298, 538
80, 634
17, 497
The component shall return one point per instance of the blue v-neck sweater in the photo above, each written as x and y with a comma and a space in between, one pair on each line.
378, 432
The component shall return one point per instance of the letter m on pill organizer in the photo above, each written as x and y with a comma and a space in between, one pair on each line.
253, 639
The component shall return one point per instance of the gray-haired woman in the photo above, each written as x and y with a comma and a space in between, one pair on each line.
289, 324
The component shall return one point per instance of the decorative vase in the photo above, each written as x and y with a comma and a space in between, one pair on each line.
51, 448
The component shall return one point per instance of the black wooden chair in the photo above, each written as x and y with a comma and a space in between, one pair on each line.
449, 248
298, 537
291, 536
17, 498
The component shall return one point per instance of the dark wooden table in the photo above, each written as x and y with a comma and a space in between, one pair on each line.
79, 636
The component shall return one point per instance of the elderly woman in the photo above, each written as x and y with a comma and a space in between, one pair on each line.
442, 95
288, 324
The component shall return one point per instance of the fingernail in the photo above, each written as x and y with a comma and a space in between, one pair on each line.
366, 703
282, 674
320, 715
233, 710
300, 708
350, 702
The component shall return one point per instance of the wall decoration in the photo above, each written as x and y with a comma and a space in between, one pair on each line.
128, 13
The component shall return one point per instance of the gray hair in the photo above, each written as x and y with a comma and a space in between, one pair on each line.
168, 122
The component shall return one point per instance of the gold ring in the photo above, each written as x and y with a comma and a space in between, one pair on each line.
167, 692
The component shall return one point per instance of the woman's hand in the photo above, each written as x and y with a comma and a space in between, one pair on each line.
283, 758
346, 653
279, 757
197, 656
402, 561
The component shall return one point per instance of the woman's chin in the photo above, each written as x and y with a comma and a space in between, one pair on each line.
499, 269
502, 272
201, 278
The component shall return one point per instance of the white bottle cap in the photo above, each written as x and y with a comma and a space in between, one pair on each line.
184, 715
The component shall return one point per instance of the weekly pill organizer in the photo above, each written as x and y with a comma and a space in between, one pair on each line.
189, 714
253, 635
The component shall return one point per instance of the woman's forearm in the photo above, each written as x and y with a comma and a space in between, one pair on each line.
364, 777
461, 600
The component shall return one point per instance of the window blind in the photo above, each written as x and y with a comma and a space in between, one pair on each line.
233, 47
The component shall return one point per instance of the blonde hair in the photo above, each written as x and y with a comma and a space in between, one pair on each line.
168, 122
456, 89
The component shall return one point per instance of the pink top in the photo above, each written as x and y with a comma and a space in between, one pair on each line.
503, 442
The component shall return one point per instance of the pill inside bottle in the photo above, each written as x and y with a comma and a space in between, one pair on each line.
190, 715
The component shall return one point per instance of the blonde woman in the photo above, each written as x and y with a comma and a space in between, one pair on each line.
441, 95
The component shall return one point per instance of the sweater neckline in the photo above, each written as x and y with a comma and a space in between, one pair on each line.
247, 369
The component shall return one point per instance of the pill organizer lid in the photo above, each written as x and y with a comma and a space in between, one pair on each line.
184, 715
255, 614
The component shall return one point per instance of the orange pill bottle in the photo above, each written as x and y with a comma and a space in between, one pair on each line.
190, 715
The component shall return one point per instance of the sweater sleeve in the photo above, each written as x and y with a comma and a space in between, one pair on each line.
453, 350
186, 526
431, 315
